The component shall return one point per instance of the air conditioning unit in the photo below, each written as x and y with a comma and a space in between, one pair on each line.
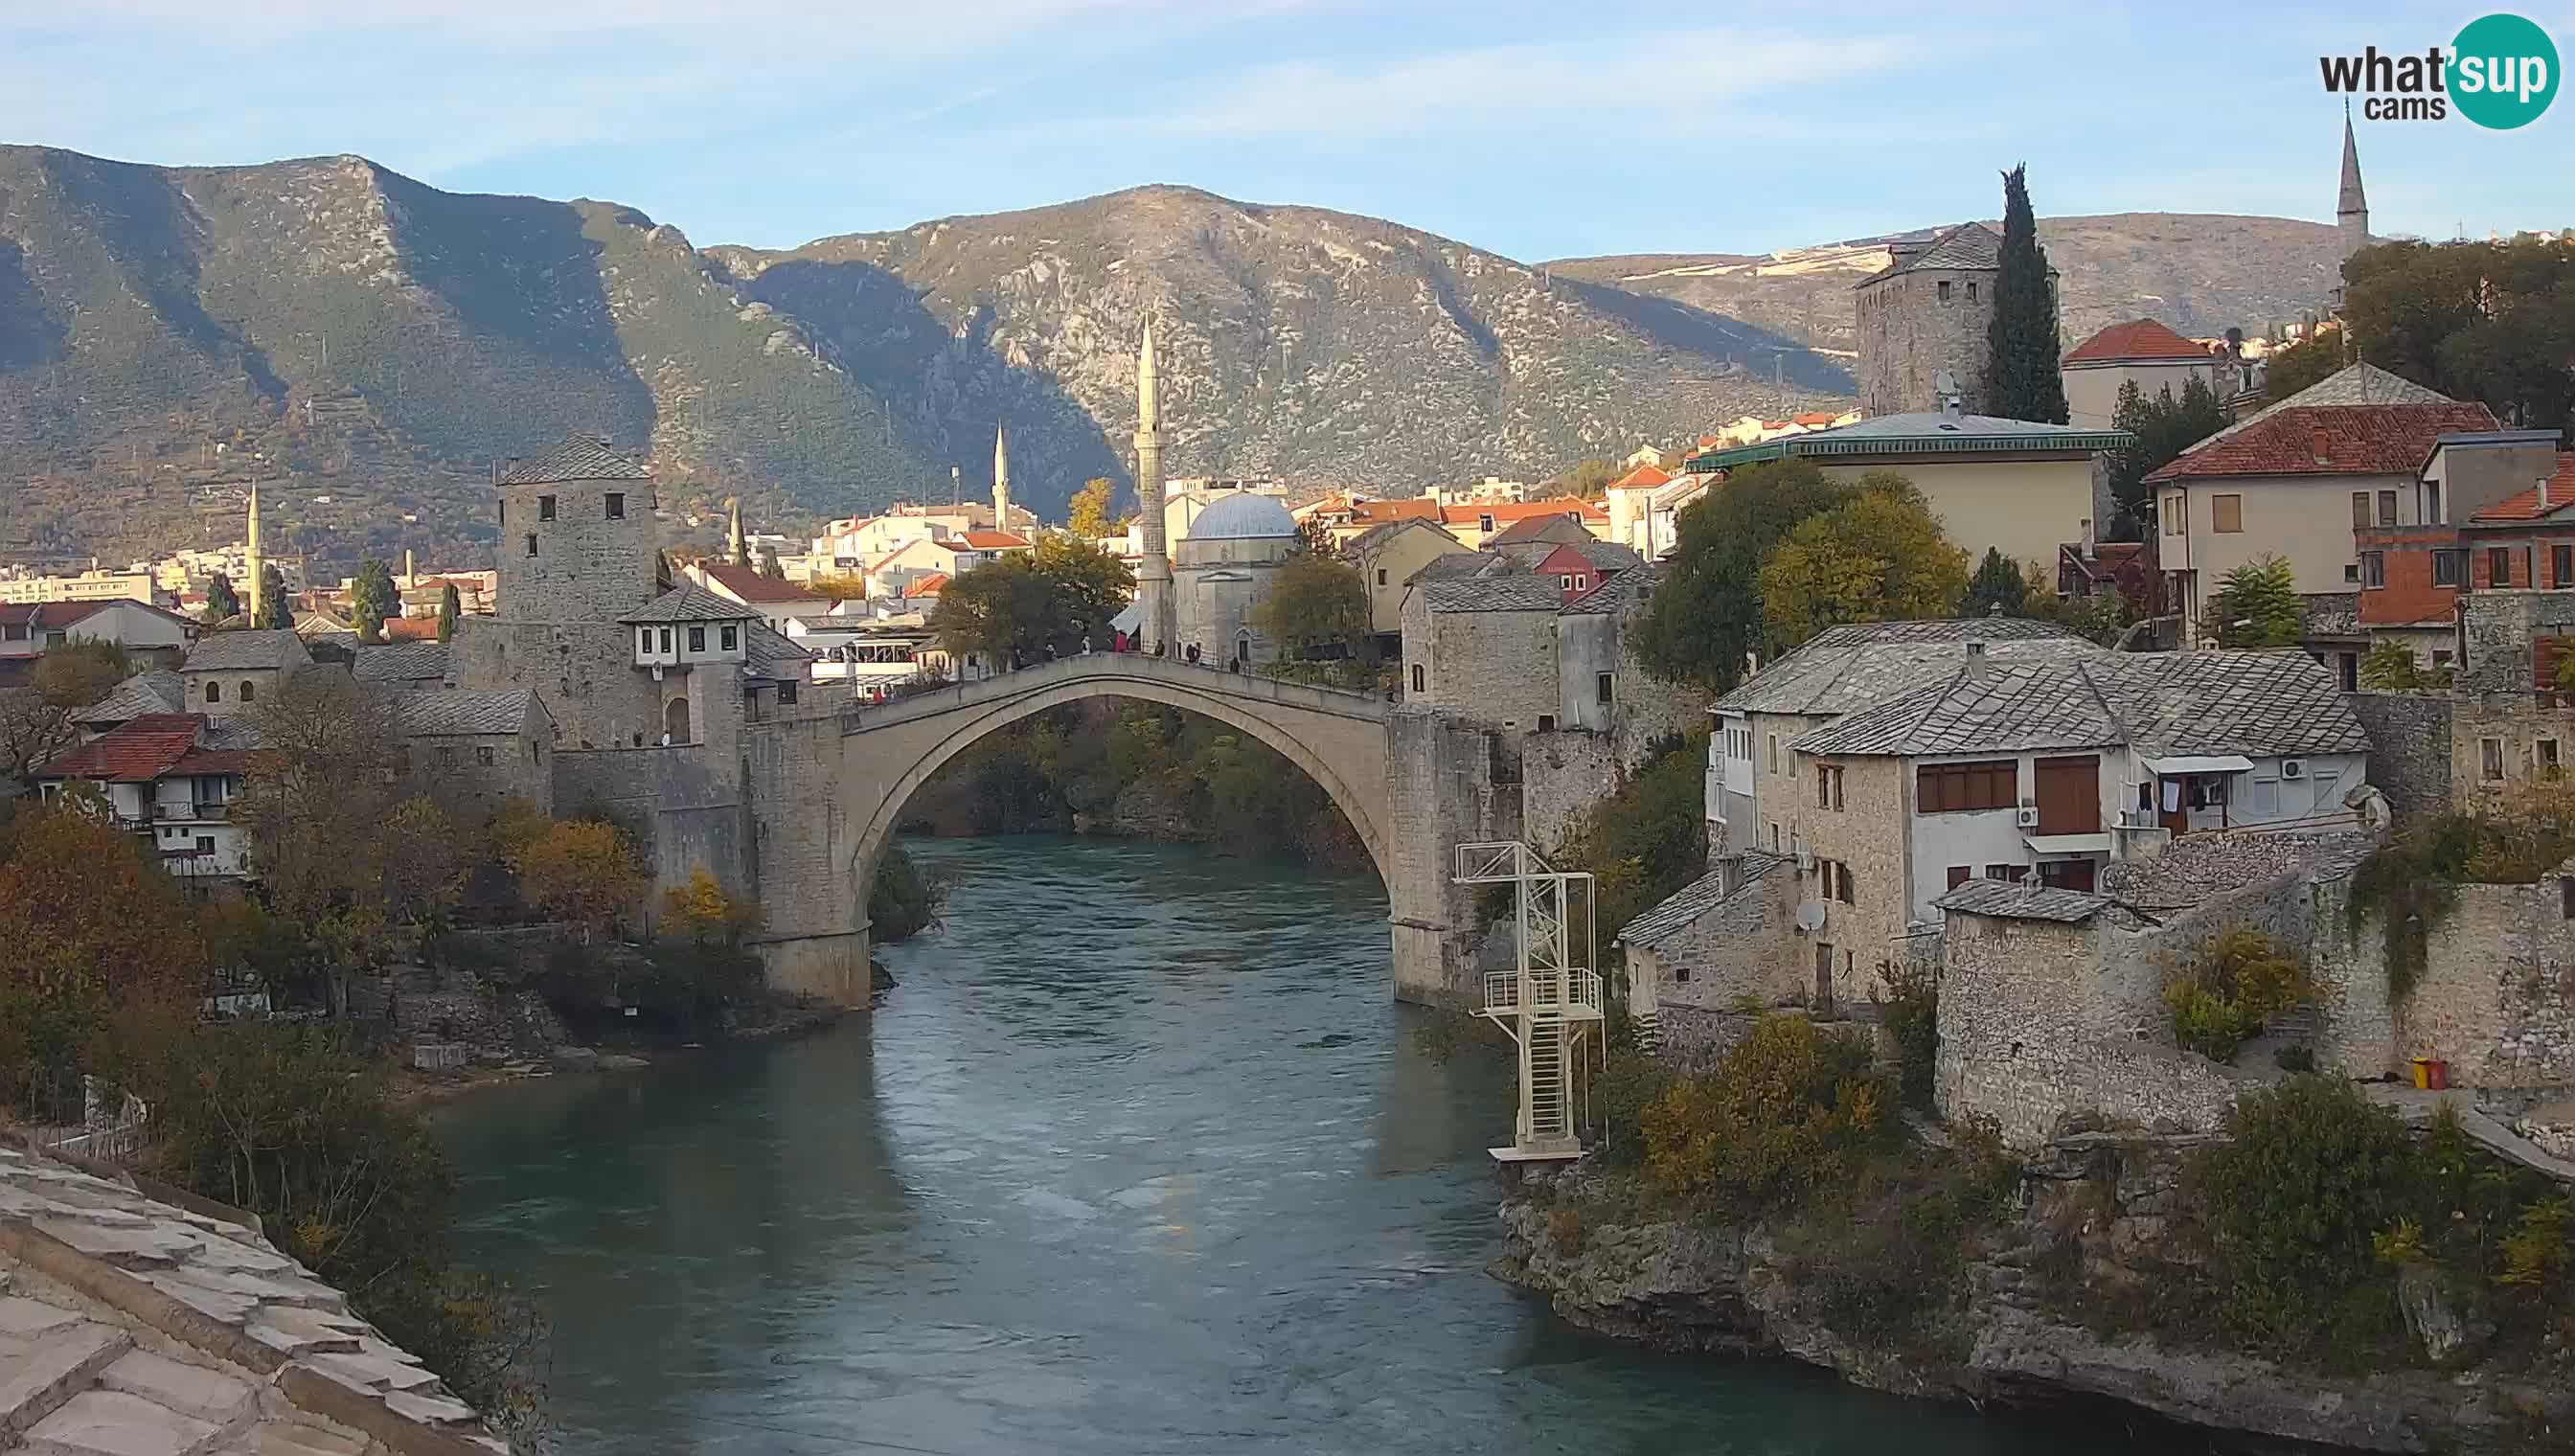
2027, 816
2294, 767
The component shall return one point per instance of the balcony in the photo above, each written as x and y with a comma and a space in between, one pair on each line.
1572, 994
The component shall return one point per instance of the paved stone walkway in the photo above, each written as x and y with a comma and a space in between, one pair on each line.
2416, 1106
133, 1326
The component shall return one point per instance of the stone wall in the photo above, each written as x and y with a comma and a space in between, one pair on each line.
1458, 782
1908, 334
451, 771
585, 567
1562, 776
803, 854
1744, 949
2409, 748
2496, 999
2526, 732
584, 673
1492, 667
688, 805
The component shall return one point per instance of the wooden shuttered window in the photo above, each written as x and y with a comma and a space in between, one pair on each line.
1943, 787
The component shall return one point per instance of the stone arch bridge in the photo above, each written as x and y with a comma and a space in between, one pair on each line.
828, 789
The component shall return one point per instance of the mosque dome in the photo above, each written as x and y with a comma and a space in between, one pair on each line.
1242, 515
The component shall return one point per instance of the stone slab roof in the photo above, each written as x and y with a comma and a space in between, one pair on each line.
2023, 901
137, 1320
408, 661
144, 693
577, 457
465, 713
690, 601
771, 654
2263, 704
1695, 899
1968, 244
1511, 592
232, 652
2197, 867
1848, 668
1621, 591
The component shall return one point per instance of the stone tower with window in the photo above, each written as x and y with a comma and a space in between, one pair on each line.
1928, 311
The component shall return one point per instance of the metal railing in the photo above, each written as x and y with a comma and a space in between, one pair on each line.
1574, 994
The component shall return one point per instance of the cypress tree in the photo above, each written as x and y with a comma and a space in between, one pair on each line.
276, 612
448, 607
221, 600
2022, 380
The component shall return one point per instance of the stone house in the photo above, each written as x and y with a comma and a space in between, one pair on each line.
2303, 481
2136, 351
1386, 557
227, 670
1483, 648
2023, 488
472, 750
404, 665
2498, 515
1720, 943
1923, 318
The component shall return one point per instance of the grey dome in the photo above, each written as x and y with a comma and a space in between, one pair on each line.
1242, 515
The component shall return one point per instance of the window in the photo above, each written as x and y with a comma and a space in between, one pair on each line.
2360, 517
696, 639
1960, 873
1381, 575
1582, 583
483, 756
1485, 522
2543, 755
544, 508
1547, 722
1833, 881
2445, 568
731, 638
1564, 583
2561, 566
205, 844
2172, 513
2499, 566
1418, 673
1971, 290
446, 757
1774, 837
1945, 290
2441, 657
642, 638
1829, 786
1948, 788
2490, 760
249, 691
2431, 502
617, 505
1775, 753
214, 691
2351, 572
2226, 514
2002, 872
1605, 687
666, 640
532, 543
2387, 508
2373, 568
786, 695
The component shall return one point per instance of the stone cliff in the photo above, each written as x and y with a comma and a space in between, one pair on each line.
2044, 1312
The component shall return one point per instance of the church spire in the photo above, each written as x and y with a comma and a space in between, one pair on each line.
1001, 480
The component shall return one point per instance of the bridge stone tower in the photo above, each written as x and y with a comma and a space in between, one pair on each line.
1156, 618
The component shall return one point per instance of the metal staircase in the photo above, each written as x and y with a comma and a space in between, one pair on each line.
1549, 1001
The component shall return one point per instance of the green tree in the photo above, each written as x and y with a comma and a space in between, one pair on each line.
1589, 479
2487, 320
2302, 365
2392, 667
2021, 378
770, 566
373, 600
1090, 514
276, 611
1998, 589
1879, 558
1018, 608
222, 601
1705, 618
2257, 605
80, 671
1315, 600
2165, 428
449, 607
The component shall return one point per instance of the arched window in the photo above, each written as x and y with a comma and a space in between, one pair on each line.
675, 721
249, 689
214, 691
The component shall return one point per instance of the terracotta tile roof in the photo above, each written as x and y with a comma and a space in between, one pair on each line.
1410, 508
1644, 477
1539, 528
2526, 506
410, 629
747, 585
1515, 510
994, 540
2329, 440
222, 760
138, 752
928, 585
1815, 419
2135, 338
55, 615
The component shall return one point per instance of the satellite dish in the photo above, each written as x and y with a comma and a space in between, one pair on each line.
1944, 383
1811, 918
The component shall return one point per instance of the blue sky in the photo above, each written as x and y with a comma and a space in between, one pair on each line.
1536, 130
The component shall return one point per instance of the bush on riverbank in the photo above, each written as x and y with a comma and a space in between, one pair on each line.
903, 901
1643, 844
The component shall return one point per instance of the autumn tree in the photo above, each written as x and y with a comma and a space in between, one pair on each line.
2257, 605
450, 607
1589, 479
315, 807
1091, 514
580, 870
1706, 619
2021, 366
222, 601
2487, 320
703, 913
1018, 608
373, 600
1877, 558
1315, 602
80, 671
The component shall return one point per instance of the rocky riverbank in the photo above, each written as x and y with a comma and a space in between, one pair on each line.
2041, 1310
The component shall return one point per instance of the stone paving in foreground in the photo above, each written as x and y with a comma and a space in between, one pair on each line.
134, 1326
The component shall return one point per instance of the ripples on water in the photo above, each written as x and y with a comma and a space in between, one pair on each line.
1140, 1157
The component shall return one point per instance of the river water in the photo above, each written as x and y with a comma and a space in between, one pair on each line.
1138, 1157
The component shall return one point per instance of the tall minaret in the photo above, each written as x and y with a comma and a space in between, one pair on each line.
253, 566
1154, 578
2351, 208
737, 550
1000, 480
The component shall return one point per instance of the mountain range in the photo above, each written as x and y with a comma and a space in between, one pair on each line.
167, 334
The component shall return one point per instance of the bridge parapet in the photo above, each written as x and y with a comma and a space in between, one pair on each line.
1108, 668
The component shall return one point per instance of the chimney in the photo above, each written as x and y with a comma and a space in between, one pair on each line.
2089, 543
2543, 493
1952, 407
2323, 448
